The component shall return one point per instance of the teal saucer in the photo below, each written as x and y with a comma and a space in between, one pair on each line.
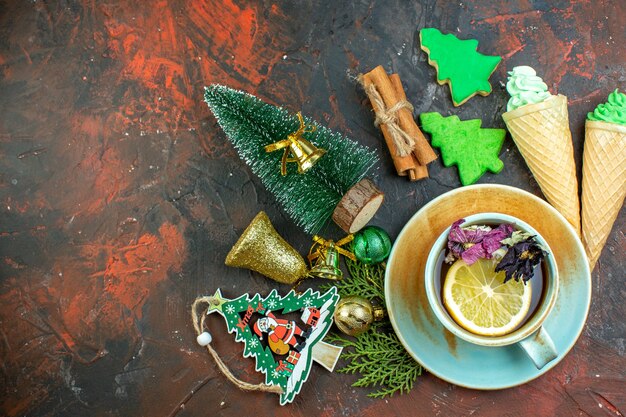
438, 350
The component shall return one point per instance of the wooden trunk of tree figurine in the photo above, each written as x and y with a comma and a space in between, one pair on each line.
358, 206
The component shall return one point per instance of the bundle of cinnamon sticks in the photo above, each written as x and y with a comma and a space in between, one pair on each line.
409, 149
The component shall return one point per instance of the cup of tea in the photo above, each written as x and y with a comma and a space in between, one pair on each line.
456, 290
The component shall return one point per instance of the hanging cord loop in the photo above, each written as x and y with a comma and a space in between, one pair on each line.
198, 315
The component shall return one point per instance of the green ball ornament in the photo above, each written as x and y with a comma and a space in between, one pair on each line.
371, 245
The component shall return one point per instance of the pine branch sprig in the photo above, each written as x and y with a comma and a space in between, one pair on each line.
365, 280
381, 360
377, 355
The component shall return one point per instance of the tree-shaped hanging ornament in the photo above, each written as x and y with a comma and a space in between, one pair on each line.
283, 334
458, 64
472, 149
320, 173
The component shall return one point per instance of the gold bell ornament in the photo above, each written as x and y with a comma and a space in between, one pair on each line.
355, 314
302, 152
261, 249
326, 253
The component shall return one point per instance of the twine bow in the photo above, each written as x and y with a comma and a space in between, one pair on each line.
389, 117
321, 245
293, 139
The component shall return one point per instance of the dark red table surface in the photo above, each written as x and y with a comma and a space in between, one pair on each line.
120, 196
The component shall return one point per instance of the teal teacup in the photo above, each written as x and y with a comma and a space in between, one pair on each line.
530, 336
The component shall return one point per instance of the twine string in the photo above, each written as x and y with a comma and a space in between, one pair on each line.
403, 142
198, 316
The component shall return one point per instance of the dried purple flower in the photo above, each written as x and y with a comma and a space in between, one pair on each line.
493, 240
473, 253
520, 260
474, 242
456, 238
464, 243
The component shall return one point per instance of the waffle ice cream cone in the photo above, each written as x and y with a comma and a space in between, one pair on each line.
604, 183
541, 132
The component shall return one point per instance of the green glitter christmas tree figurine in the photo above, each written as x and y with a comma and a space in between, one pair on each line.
320, 175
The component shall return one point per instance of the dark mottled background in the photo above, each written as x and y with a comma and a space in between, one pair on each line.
120, 196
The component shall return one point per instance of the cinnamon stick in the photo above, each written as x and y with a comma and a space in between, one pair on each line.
423, 152
421, 170
405, 165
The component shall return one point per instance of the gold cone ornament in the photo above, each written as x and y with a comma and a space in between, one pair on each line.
303, 152
542, 135
355, 314
326, 253
261, 249
604, 183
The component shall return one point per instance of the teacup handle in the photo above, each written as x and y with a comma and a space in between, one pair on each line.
539, 347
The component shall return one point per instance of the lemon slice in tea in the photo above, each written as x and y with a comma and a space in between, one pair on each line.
479, 301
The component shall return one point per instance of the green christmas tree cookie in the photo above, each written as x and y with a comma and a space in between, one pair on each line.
458, 64
464, 144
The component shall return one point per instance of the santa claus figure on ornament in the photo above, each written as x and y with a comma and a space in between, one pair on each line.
281, 333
